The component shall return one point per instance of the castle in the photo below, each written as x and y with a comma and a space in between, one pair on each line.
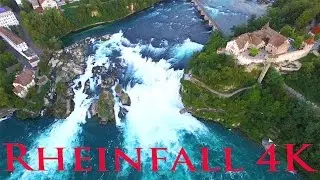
272, 41
273, 47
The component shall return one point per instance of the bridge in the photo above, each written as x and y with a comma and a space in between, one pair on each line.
206, 16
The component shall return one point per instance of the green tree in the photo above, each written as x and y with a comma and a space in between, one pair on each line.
287, 31
298, 40
61, 88
4, 98
26, 6
2, 46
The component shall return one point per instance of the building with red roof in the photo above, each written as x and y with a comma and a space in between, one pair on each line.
16, 42
40, 5
316, 30
23, 82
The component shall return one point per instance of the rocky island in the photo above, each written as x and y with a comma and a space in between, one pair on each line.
69, 63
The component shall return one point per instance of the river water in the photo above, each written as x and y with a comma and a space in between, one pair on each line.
153, 47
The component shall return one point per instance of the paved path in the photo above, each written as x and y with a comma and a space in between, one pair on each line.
26, 37
189, 77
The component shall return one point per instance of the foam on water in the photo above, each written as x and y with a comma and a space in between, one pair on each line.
64, 133
154, 119
184, 50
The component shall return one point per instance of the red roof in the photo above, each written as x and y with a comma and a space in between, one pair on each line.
15, 39
316, 30
310, 40
24, 78
18, 89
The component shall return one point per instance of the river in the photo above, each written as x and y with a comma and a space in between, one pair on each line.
153, 47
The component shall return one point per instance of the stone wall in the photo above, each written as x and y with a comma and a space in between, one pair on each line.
293, 56
245, 60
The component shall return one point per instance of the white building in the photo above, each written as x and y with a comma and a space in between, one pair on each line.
23, 82
17, 43
272, 41
48, 4
7, 18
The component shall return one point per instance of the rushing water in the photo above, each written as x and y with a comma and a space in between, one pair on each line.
153, 46
229, 13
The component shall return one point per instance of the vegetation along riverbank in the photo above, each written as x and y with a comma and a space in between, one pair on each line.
267, 109
52, 92
47, 28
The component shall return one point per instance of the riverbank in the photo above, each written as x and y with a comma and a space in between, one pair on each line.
264, 111
73, 19
90, 26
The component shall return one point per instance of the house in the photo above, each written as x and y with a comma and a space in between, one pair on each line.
16, 42
40, 5
7, 18
244, 42
23, 82
48, 4
273, 42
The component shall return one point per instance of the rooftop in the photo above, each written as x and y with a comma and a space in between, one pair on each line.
15, 39
316, 30
4, 9
24, 78
18, 89
265, 34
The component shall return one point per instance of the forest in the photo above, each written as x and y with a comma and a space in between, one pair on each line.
9, 67
307, 79
6, 79
88, 12
47, 28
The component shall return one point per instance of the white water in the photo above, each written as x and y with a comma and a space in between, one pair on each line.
153, 117
184, 50
63, 133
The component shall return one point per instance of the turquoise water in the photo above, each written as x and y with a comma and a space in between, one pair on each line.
153, 47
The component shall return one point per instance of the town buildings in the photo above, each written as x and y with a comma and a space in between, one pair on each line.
40, 5
19, 45
273, 48
23, 82
7, 17
16, 42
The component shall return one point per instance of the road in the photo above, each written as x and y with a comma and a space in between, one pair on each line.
27, 38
